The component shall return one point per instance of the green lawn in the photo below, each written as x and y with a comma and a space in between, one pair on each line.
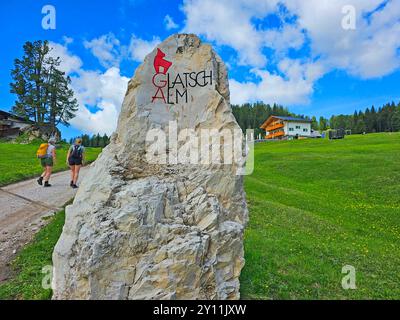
19, 162
29, 264
317, 205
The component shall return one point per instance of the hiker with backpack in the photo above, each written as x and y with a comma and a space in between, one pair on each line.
75, 160
47, 155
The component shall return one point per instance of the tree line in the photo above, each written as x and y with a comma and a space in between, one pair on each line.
42, 89
96, 140
383, 119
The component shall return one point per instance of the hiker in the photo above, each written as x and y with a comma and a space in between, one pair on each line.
47, 156
75, 159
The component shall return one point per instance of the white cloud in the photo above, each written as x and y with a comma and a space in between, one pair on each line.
109, 51
139, 48
289, 36
69, 62
230, 23
67, 40
105, 91
169, 23
106, 49
293, 86
369, 51
102, 90
313, 28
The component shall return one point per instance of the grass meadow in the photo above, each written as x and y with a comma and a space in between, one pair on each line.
318, 205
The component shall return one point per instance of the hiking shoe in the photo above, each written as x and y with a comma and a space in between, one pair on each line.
71, 184
40, 181
47, 184
74, 186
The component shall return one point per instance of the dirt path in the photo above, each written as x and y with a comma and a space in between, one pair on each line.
23, 206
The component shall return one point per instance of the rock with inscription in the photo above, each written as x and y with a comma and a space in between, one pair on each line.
157, 217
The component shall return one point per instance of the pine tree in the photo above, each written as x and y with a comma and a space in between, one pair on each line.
395, 121
106, 140
314, 123
86, 140
63, 105
323, 124
43, 91
29, 75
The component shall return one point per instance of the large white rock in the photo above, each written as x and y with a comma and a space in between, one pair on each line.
139, 230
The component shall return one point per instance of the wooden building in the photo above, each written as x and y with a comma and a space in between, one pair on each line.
11, 125
277, 127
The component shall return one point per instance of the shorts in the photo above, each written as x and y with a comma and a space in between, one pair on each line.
74, 161
46, 162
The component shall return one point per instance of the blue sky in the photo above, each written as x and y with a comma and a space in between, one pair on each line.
296, 53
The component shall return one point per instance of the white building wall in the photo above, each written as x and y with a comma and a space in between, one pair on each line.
298, 128
286, 128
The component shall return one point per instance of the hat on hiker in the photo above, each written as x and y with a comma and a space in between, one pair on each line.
78, 141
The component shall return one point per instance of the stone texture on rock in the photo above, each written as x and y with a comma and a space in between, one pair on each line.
143, 231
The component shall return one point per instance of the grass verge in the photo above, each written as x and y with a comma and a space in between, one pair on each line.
27, 282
